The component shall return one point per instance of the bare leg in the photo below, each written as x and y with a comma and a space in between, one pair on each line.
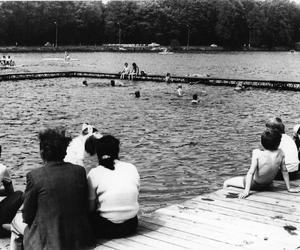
235, 182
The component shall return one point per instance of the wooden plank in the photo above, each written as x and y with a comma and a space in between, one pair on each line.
170, 239
103, 247
179, 233
231, 228
264, 199
125, 243
159, 244
279, 195
254, 203
224, 223
195, 207
241, 207
229, 237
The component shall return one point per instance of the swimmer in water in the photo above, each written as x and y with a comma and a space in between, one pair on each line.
85, 83
179, 90
195, 99
168, 78
137, 94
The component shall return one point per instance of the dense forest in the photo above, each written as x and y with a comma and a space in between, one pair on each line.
229, 23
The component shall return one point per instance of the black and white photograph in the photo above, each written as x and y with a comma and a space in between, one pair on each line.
150, 125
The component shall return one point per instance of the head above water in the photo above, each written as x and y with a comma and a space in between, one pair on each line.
112, 83
126, 64
137, 94
276, 123
195, 97
270, 139
53, 144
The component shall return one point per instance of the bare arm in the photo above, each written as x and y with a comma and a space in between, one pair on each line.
249, 177
286, 178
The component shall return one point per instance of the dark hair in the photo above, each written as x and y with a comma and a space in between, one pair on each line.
53, 144
195, 96
137, 94
107, 149
270, 139
112, 83
276, 123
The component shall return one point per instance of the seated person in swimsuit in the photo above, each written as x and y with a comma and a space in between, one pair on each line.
264, 166
134, 71
125, 72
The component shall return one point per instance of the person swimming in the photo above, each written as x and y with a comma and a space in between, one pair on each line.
179, 90
137, 94
168, 78
195, 99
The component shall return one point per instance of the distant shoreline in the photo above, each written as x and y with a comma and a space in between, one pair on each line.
124, 49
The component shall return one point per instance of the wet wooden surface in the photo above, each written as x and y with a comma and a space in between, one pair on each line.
265, 220
217, 221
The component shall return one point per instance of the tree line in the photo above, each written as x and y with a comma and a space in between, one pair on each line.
228, 23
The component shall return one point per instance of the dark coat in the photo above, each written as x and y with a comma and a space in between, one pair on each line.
56, 208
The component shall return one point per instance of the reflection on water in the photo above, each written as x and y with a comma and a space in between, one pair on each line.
181, 150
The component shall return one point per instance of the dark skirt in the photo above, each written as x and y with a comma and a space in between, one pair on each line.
104, 228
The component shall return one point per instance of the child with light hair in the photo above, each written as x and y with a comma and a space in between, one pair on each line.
264, 166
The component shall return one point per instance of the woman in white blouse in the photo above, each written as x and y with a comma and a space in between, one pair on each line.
113, 190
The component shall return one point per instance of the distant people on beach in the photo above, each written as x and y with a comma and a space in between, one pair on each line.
125, 72
179, 91
55, 209
113, 191
288, 146
134, 71
265, 165
11, 203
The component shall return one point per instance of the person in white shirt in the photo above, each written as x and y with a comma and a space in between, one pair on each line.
288, 146
125, 72
113, 191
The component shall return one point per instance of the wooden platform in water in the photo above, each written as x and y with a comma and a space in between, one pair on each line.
270, 84
216, 221
212, 221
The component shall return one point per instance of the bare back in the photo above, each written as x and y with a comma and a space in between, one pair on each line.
268, 165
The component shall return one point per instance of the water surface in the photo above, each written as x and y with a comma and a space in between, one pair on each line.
181, 150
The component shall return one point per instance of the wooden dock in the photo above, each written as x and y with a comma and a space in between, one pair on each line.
216, 221
269, 84
265, 220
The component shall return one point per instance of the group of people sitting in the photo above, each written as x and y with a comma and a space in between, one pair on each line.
279, 160
64, 208
6, 61
129, 73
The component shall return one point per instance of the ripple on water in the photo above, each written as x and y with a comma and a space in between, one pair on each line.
181, 150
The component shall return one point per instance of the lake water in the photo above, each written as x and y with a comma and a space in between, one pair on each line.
181, 150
